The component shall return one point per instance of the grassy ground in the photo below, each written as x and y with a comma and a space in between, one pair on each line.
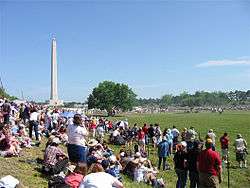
231, 122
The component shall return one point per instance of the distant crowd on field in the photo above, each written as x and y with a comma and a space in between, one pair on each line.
91, 162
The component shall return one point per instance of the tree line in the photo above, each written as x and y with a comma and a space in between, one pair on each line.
199, 98
112, 96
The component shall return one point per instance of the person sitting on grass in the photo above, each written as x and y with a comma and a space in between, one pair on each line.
76, 175
99, 179
114, 168
55, 160
145, 172
8, 144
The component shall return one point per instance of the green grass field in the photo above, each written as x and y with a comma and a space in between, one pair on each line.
231, 122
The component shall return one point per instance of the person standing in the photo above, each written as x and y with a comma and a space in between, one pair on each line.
212, 136
180, 163
158, 134
163, 149
209, 166
175, 132
77, 133
240, 145
151, 132
141, 138
192, 156
145, 130
6, 112
34, 122
26, 114
224, 142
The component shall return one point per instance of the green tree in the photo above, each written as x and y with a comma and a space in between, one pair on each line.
166, 100
109, 95
4, 94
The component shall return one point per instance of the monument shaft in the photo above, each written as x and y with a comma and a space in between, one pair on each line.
54, 93
54, 100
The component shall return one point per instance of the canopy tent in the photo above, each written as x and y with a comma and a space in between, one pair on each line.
67, 114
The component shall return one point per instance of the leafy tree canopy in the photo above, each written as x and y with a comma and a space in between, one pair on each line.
109, 95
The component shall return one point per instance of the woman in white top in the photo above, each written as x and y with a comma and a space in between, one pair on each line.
34, 117
99, 179
77, 133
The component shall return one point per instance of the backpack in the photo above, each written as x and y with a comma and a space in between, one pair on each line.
57, 182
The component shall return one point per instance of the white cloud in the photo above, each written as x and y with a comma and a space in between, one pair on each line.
225, 62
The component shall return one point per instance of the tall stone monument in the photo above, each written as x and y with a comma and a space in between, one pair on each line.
54, 101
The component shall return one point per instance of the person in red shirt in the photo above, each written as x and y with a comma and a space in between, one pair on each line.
209, 166
141, 138
92, 128
224, 141
76, 175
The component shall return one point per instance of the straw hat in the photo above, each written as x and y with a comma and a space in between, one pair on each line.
112, 159
71, 168
137, 154
56, 140
184, 144
92, 142
239, 136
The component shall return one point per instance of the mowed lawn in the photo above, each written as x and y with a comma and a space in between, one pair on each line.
232, 122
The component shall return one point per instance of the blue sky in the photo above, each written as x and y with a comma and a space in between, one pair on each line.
156, 47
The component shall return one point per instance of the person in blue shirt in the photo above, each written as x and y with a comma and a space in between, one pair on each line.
163, 149
114, 168
170, 138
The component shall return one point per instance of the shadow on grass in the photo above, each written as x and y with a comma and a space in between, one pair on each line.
42, 174
38, 167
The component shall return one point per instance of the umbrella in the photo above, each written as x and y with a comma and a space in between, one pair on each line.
68, 114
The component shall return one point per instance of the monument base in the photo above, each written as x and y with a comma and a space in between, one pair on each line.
53, 102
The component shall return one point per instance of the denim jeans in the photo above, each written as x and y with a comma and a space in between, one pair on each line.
194, 179
77, 153
35, 125
182, 178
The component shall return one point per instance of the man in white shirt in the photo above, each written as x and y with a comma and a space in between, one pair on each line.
34, 122
212, 135
240, 145
175, 132
77, 134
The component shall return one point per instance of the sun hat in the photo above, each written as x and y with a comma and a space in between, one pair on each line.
137, 154
71, 168
112, 159
92, 142
56, 140
184, 144
122, 154
239, 136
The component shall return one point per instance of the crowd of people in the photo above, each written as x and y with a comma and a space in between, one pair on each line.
91, 162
